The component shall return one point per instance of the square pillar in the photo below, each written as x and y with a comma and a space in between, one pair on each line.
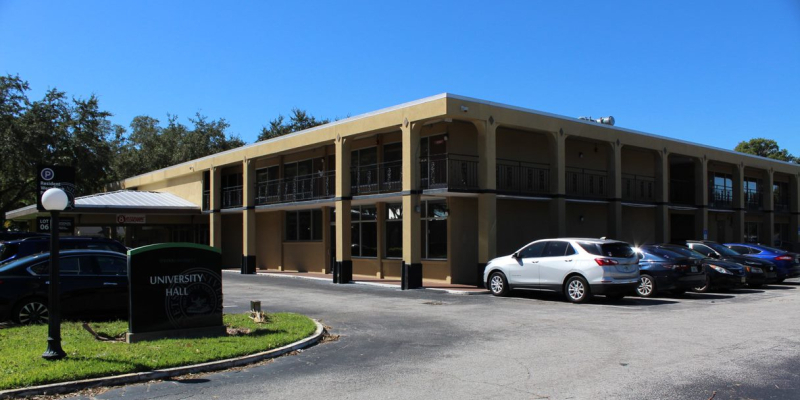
411, 267
614, 218
701, 198
662, 197
343, 267
327, 267
487, 200
558, 184
767, 231
249, 217
215, 217
794, 208
738, 203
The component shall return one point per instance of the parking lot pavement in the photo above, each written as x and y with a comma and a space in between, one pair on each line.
421, 344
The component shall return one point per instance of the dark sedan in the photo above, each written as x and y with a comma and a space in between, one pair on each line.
94, 283
663, 269
788, 263
759, 271
719, 273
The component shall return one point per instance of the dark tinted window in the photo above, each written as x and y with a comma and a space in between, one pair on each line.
570, 250
686, 251
616, 250
112, 265
723, 250
41, 269
532, 251
741, 249
555, 249
8, 250
591, 248
704, 250
663, 254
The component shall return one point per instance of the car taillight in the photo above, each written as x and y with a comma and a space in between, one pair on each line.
784, 258
605, 261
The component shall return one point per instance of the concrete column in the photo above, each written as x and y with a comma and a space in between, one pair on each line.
662, 197
767, 231
249, 217
215, 217
343, 268
738, 203
487, 201
701, 198
411, 273
558, 184
794, 208
615, 191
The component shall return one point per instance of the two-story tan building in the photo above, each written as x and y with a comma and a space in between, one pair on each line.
437, 187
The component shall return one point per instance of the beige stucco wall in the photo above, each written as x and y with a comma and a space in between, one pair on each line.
594, 223
436, 270
391, 269
639, 162
269, 239
232, 240
303, 256
188, 187
638, 225
462, 227
526, 146
520, 222
595, 155
366, 266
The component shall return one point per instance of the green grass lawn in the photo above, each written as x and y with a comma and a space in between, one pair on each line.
21, 347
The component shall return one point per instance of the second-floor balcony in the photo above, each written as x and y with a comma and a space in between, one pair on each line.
299, 188
638, 188
720, 197
517, 177
376, 178
781, 204
681, 191
232, 196
587, 183
753, 199
449, 171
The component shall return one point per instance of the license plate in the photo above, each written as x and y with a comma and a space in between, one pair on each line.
694, 269
743, 279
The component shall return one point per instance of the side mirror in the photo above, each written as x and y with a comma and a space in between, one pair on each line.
515, 255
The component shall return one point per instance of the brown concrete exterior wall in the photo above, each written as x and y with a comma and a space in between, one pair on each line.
269, 240
639, 162
391, 269
520, 222
462, 227
188, 187
367, 266
303, 256
595, 155
437, 270
594, 222
638, 225
232, 240
519, 145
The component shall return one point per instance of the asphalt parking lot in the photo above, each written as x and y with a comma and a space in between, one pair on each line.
422, 344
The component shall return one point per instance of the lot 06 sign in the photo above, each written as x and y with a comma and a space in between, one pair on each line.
175, 291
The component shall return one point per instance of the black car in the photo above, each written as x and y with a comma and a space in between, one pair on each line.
93, 283
8, 235
719, 273
663, 269
759, 271
15, 249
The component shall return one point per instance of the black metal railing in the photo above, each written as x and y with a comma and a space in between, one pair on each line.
720, 196
780, 204
300, 188
449, 171
681, 191
586, 183
517, 177
206, 200
638, 188
232, 196
376, 178
753, 199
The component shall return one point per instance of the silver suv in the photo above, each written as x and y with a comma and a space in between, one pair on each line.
577, 267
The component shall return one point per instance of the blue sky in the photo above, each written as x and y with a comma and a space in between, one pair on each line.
711, 72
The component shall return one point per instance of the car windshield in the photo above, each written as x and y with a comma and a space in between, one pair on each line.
722, 249
686, 252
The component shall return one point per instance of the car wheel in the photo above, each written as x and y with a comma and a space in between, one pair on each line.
647, 286
577, 290
705, 288
31, 311
498, 284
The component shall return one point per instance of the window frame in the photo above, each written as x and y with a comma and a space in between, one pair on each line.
425, 221
360, 223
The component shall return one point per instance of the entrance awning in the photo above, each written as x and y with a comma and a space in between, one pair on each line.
121, 201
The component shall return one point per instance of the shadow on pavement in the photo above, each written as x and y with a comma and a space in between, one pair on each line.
631, 300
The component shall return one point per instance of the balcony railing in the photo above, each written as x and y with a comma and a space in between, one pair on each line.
720, 196
232, 196
300, 188
681, 191
638, 188
781, 204
586, 183
753, 199
517, 177
376, 178
449, 171
206, 200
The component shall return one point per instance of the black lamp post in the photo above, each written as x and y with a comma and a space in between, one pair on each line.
54, 200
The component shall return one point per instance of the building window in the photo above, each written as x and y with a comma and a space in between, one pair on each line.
434, 229
722, 189
267, 184
364, 231
394, 231
751, 232
305, 225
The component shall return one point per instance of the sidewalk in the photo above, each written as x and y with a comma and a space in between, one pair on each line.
388, 283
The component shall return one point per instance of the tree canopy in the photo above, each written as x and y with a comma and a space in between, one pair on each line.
298, 121
765, 148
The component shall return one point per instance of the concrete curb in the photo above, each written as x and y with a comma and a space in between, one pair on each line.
383, 285
66, 387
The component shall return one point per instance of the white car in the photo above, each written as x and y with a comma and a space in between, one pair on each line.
577, 267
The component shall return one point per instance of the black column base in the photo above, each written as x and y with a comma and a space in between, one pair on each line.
481, 269
248, 264
54, 350
411, 276
343, 271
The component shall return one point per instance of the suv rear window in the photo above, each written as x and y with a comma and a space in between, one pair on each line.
608, 249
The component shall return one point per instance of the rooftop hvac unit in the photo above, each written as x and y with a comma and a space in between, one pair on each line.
609, 120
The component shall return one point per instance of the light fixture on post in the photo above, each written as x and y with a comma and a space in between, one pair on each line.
54, 200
